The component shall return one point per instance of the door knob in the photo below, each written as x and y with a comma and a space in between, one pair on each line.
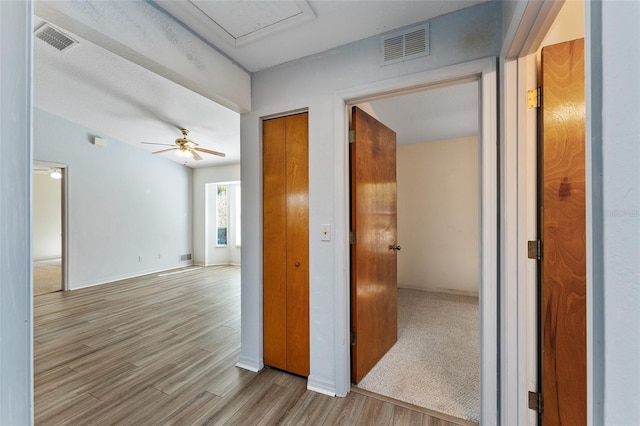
395, 247
297, 264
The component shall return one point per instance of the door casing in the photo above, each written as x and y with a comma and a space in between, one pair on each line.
483, 70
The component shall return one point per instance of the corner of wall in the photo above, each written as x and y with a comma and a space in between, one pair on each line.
254, 365
325, 387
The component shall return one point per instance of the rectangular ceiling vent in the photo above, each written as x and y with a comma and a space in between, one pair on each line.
404, 45
54, 37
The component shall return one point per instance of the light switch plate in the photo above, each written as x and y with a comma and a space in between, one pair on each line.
325, 232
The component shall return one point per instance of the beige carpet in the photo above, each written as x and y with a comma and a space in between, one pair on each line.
436, 362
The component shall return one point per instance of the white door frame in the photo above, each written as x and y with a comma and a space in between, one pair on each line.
530, 23
485, 71
63, 217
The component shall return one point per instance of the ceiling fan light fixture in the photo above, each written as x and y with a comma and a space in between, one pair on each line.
184, 148
184, 152
56, 174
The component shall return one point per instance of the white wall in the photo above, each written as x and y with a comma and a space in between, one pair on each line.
202, 177
438, 216
312, 83
46, 217
123, 204
16, 317
568, 25
613, 211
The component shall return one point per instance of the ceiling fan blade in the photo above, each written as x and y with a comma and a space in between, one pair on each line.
196, 156
165, 150
208, 151
153, 143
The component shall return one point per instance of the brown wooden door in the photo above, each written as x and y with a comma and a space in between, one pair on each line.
374, 290
286, 243
563, 293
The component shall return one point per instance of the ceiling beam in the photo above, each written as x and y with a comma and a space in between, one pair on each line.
150, 38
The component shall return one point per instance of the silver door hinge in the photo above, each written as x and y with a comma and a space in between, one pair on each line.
534, 249
534, 98
352, 237
535, 402
353, 338
352, 136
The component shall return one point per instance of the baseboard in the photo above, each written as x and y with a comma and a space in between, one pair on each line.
180, 270
215, 264
322, 386
443, 290
219, 264
250, 364
48, 260
125, 277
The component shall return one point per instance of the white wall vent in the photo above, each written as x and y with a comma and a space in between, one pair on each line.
54, 37
406, 44
185, 257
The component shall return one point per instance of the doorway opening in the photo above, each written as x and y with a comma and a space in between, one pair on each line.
484, 72
436, 361
48, 227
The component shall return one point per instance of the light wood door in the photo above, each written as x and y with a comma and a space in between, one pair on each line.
374, 284
563, 296
286, 243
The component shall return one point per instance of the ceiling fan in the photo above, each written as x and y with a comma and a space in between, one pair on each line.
185, 147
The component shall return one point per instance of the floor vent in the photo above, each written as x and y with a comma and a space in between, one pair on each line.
185, 257
406, 44
54, 37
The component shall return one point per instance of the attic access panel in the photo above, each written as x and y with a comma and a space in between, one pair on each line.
239, 22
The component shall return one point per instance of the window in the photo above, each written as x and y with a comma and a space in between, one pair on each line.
222, 215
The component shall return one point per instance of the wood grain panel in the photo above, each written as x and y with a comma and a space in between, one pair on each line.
373, 265
286, 243
297, 168
274, 208
563, 310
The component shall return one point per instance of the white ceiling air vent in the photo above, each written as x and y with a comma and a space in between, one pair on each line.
406, 44
54, 37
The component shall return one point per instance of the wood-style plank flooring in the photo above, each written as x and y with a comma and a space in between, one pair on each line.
162, 350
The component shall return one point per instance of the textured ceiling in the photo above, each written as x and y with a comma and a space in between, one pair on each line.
431, 115
243, 20
118, 99
328, 24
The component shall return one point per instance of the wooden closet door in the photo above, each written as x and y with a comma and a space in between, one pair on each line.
274, 209
297, 149
564, 291
286, 243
